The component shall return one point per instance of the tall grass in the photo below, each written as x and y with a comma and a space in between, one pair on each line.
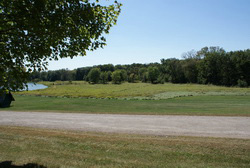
133, 90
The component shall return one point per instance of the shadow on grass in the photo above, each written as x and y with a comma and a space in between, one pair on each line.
8, 164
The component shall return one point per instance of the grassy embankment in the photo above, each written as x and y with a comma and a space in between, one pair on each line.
53, 148
141, 98
134, 90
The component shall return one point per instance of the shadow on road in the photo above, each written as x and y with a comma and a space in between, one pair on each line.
8, 164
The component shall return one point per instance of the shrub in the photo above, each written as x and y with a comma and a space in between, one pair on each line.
242, 83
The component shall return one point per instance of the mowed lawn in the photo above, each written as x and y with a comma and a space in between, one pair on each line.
135, 98
193, 105
53, 148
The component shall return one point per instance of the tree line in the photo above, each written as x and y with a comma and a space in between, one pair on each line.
210, 65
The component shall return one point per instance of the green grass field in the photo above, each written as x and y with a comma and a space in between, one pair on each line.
133, 90
136, 98
195, 105
53, 149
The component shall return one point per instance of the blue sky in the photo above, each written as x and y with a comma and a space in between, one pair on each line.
149, 30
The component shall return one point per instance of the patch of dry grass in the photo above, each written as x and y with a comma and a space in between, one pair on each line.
52, 148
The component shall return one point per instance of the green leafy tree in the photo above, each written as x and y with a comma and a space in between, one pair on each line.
44, 76
118, 76
124, 76
153, 74
132, 78
32, 32
106, 67
241, 60
210, 67
94, 75
174, 70
190, 66
143, 74
109, 76
104, 77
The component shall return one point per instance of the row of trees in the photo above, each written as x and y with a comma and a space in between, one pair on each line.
98, 74
210, 65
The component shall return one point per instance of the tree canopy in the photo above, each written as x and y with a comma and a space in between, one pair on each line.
94, 75
210, 65
32, 32
153, 74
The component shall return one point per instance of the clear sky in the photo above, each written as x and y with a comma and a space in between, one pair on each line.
149, 30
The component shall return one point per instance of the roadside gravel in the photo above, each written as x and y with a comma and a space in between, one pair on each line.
165, 125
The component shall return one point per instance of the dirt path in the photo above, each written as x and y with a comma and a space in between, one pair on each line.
234, 127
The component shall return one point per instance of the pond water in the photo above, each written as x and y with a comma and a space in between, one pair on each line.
36, 86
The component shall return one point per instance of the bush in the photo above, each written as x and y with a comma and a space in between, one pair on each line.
242, 83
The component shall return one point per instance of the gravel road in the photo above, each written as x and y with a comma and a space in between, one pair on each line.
210, 126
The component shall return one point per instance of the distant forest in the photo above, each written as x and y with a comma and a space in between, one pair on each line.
210, 65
